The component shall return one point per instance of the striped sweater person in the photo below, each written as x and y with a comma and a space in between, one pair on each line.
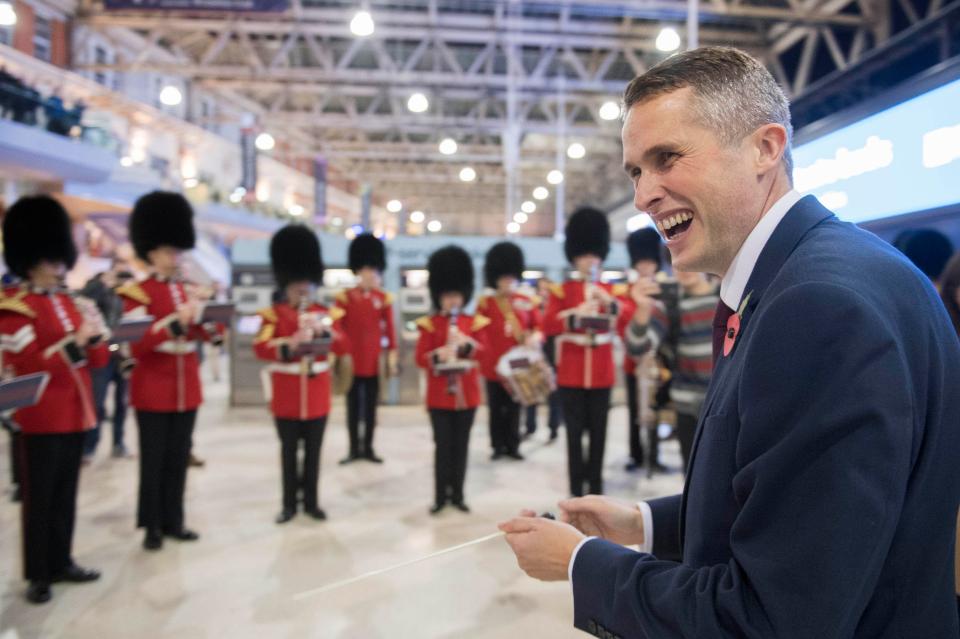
683, 336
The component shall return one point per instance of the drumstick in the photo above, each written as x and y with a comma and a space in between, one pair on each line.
380, 571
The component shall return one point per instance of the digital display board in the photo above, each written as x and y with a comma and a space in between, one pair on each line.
900, 160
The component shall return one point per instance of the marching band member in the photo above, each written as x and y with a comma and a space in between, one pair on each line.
644, 246
42, 329
298, 379
514, 320
368, 323
584, 314
449, 346
165, 382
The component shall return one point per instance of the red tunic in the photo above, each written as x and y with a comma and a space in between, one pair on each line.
166, 378
512, 319
368, 318
466, 386
584, 359
35, 330
298, 390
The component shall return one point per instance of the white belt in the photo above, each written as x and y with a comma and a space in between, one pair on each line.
292, 368
295, 368
582, 339
172, 347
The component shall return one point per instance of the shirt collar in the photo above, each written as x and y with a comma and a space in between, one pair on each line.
741, 268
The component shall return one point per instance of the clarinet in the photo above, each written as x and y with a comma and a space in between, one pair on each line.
452, 330
303, 321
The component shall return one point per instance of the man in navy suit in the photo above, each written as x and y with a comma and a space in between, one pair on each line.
822, 492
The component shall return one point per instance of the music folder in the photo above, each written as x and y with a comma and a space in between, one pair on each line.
22, 391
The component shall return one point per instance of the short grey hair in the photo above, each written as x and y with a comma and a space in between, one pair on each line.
734, 93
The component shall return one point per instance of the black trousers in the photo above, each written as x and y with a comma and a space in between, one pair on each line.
51, 470
291, 432
504, 419
634, 426
362, 401
531, 419
554, 412
165, 440
15, 438
585, 411
451, 435
686, 428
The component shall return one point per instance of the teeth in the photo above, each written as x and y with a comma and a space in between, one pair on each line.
674, 220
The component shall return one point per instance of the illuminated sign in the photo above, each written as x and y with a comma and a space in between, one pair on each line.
901, 160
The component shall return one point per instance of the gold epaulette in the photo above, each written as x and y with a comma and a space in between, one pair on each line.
267, 329
479, 321
557, 290
15, 303
342, 296
387, 298
620, 290
426, 323
336, 313
134, 291
268, 314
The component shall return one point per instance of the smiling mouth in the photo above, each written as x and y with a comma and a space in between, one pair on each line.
675, 225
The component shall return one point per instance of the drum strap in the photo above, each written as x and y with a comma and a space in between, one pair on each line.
506, 309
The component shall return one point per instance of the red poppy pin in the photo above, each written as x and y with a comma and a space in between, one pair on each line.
733, 326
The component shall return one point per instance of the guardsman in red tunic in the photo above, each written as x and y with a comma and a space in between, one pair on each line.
294, 335
584, 315
368, 323
43, 330
514, 321
645, 249
165, 382
449, 347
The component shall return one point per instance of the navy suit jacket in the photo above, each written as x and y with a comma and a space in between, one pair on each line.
822, 493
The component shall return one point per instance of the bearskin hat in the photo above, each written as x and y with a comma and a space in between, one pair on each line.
450, 269
161, 218
928, 249
367, 250
295, 255
588, 231
35, 229
503, 258
645, 245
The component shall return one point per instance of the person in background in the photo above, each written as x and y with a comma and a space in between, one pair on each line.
584, 314
43, 330
165, 386
298, 383
101, 288
448, 349
554, 405
514, 321
368, 323
691, 355
644, 247
928, 249
950, 294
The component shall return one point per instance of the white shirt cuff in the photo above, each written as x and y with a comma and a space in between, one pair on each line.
647, 515
573, 557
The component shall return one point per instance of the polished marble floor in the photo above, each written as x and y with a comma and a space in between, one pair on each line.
240, 579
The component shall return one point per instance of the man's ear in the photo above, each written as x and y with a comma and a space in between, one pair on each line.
769, 144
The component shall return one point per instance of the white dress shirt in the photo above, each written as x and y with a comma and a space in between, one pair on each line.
731, 292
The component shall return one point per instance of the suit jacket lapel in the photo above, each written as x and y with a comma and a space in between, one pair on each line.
803, 216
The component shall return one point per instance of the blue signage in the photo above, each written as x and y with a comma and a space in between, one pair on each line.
901, 160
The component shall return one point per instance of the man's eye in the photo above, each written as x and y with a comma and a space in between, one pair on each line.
667, 157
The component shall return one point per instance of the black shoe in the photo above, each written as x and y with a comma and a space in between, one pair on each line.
553, 436
515, 454
633, 465
76, 574
184, 534
372, 456
15, 495
153, 540
316, 513
349, 459
660, 468
496, 455
462, 507
437, 507
39, 592
285, 516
